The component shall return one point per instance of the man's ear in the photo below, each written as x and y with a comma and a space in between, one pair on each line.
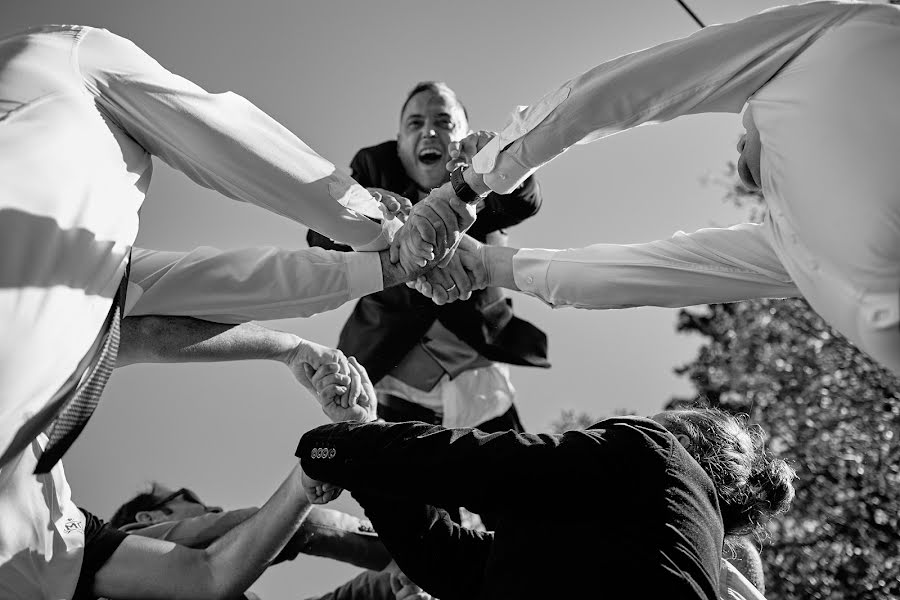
683, 439
148, 517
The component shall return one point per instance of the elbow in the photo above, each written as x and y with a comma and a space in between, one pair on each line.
211, 583
200, 578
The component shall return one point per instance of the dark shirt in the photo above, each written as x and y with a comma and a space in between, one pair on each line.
384, 327
100, 541
620, 510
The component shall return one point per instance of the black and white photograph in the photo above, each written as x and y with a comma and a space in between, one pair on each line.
475, 300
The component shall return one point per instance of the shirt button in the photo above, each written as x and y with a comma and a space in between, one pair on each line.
503, 176
530, 279
794, 238
880, 315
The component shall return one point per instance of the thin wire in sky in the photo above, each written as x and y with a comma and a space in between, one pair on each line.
690, 12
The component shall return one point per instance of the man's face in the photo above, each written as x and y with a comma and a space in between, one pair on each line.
428, 124
183, 505
749, 149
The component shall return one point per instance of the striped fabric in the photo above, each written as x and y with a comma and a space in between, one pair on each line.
71, 421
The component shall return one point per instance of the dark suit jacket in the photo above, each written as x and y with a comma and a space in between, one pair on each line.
617, 511
386, 325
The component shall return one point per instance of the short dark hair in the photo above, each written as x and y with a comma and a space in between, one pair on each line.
752, 485
436, 87
127, 513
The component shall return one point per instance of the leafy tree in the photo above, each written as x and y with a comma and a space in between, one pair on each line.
833, 414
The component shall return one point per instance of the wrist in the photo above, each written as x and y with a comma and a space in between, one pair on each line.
291, 347
476, 181
394, 274
498, 262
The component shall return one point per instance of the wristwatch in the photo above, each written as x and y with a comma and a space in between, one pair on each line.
462, 189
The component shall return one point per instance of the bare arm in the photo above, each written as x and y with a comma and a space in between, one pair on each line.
164, 339
146, 568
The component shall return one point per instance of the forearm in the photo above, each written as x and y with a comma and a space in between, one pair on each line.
714, 70
163, 339
238, 558
148, 568
224, 142
427, 464
708, 266
232, 286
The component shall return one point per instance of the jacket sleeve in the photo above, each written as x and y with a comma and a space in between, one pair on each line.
502, 211
440, 556
440, 466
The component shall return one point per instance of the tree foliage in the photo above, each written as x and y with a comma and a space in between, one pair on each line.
834, 415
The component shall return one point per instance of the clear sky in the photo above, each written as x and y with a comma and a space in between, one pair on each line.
336, 73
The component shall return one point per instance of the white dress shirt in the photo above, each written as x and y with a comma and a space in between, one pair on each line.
81, 113
821, 81
41, 530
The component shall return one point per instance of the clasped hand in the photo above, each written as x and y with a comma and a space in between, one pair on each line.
467, 271
340, 384
432, 230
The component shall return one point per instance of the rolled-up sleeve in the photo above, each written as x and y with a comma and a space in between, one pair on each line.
224, 142
707, 266
714, 70
233, 286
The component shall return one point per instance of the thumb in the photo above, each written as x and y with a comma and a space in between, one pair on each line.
396, 585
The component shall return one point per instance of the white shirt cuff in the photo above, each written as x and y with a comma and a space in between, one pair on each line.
530, 269
363, 273
508, 174
502, 173
389, 229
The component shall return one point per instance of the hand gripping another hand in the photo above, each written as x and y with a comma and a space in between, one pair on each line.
469, 263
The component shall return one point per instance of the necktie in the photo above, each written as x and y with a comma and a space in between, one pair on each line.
86, 395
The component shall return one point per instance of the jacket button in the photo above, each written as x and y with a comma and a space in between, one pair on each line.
332, 453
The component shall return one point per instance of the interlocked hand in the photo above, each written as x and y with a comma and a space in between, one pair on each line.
434, 227
468, 265
326, 383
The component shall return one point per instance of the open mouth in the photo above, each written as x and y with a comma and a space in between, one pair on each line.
430, 156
